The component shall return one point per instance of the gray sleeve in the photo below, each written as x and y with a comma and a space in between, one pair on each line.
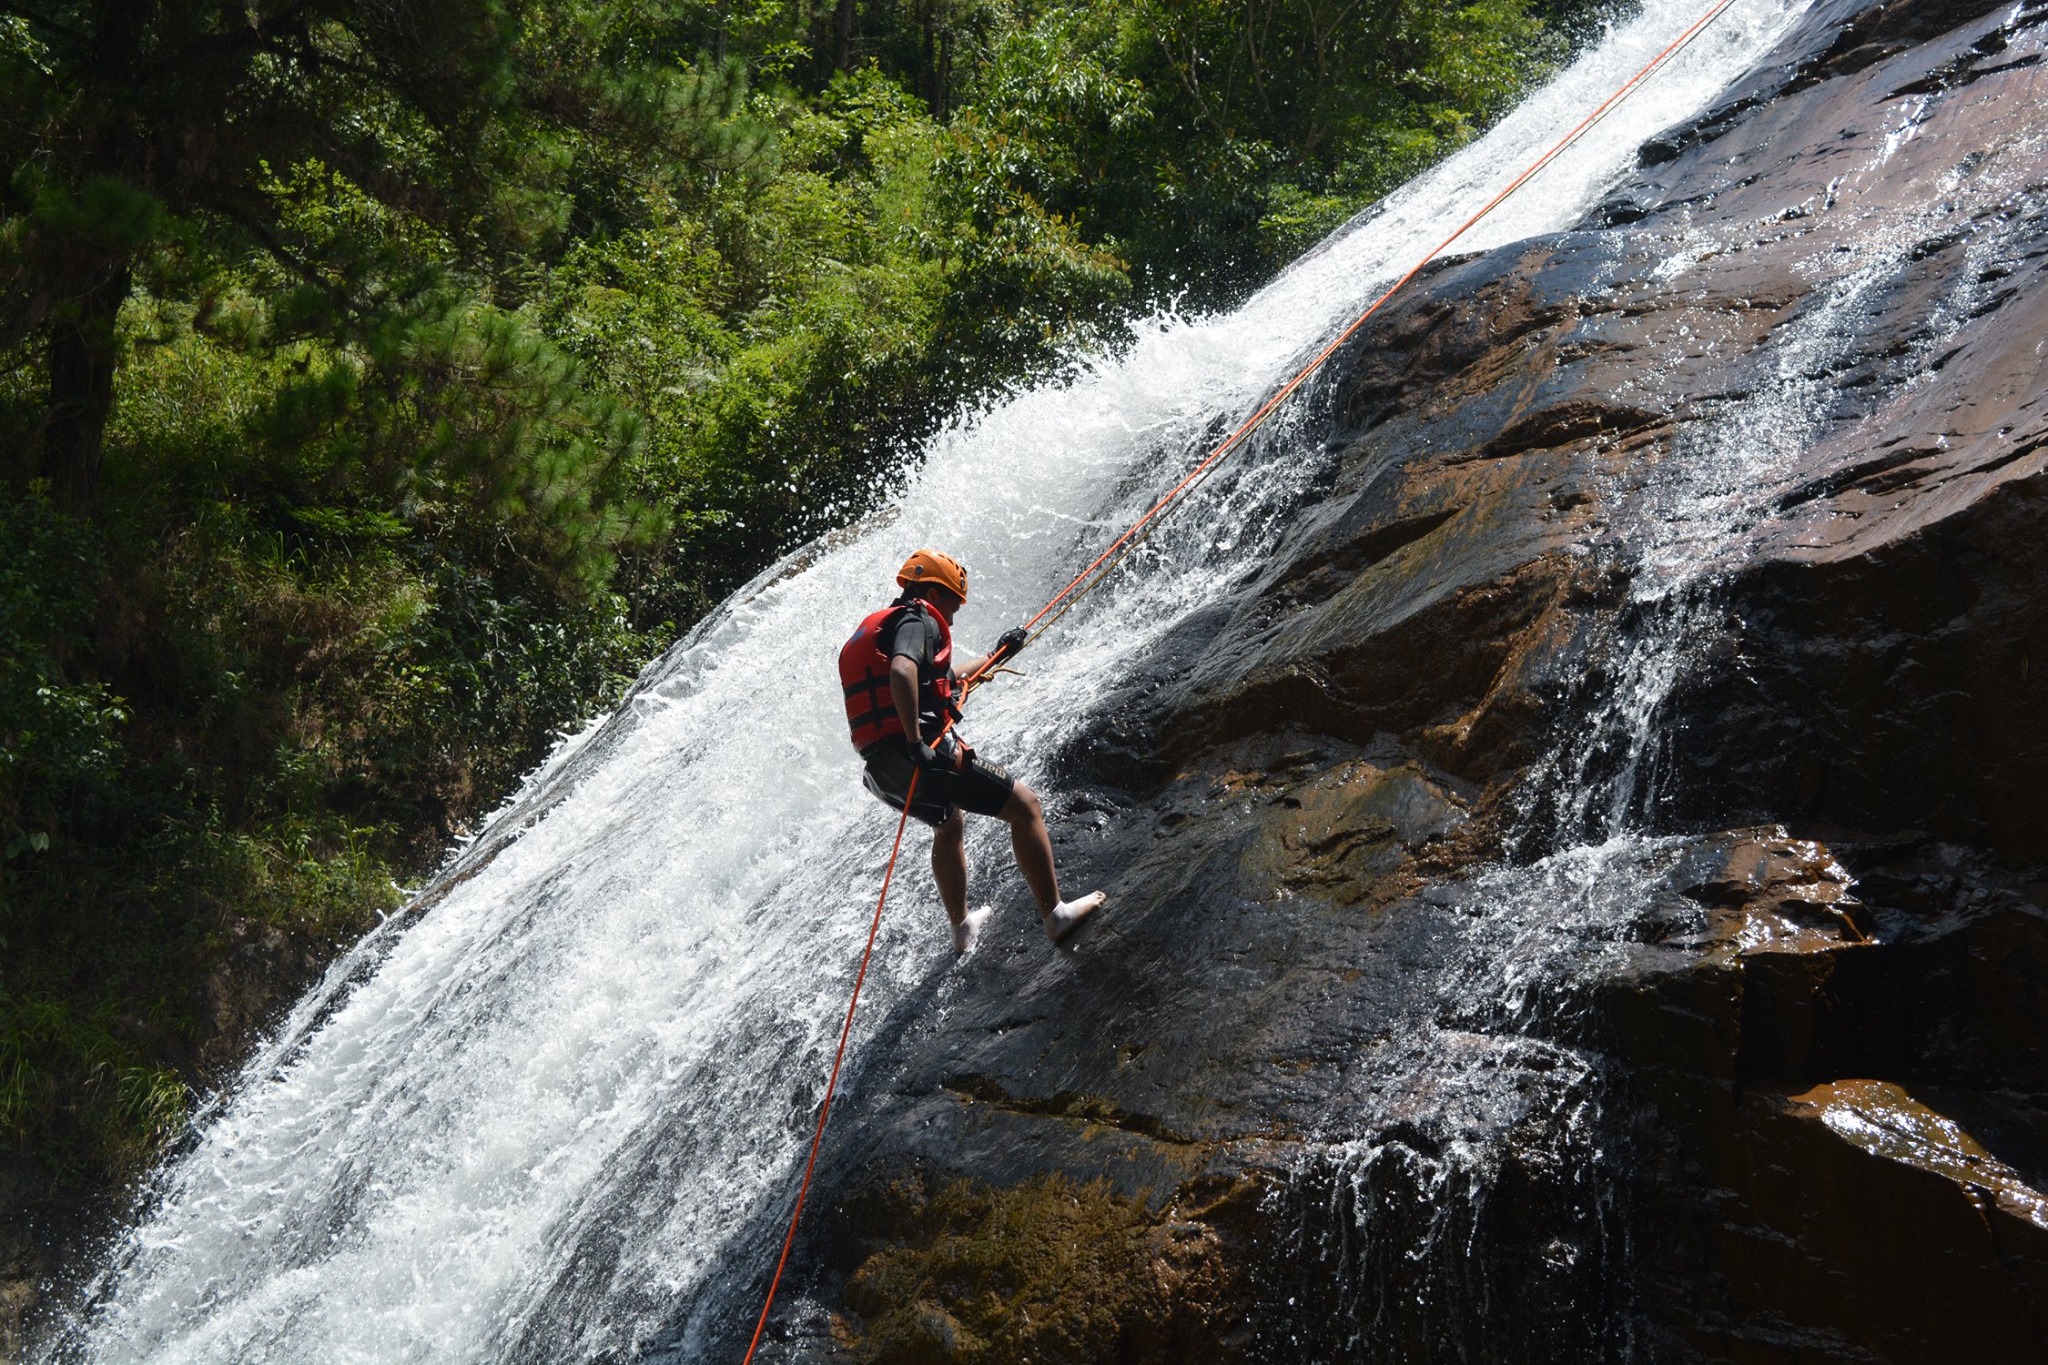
915, 638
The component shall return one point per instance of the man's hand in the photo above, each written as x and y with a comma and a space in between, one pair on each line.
1009, 646
926, 757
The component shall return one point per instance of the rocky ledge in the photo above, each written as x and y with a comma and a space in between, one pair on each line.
1718, 517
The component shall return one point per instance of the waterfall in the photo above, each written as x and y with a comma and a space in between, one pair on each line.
546, 1112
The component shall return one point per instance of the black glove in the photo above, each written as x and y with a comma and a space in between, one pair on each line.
928, 758
1010, 645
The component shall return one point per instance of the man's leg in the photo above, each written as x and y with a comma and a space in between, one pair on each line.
949, 865
949, 870
1032, 845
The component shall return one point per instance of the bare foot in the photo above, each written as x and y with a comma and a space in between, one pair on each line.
968, 931
1067, 916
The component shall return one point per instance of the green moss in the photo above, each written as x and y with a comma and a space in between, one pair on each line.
1047, 1271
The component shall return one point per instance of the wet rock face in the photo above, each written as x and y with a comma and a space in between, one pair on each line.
1841, 1151
1516, 413
1584, 900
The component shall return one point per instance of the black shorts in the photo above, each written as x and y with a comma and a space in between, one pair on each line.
977, 786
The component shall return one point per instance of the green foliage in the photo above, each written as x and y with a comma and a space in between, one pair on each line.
345, 627
1210, 142
124, 1108
54, 731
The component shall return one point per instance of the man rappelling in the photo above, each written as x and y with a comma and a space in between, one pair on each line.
902, 690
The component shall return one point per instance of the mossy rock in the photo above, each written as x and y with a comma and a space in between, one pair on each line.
1046, 1271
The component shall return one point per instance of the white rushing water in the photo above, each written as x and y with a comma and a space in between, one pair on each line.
531, 1120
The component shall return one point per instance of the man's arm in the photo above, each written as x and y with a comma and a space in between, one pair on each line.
1006, 649
903, 692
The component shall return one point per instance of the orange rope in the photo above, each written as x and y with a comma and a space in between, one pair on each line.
1131, 537
845, 1030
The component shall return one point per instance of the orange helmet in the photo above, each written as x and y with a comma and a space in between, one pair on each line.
930, 566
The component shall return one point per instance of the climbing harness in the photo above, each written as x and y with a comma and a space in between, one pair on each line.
1104, 564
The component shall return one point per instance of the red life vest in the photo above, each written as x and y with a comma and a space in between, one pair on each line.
864, 676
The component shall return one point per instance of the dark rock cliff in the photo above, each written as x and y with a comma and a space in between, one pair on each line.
1585, 899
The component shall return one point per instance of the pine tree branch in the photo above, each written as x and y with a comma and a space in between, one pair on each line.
42, 20
290, 259
259, 36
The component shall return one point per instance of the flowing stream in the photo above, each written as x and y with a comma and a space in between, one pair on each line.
544, 1112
